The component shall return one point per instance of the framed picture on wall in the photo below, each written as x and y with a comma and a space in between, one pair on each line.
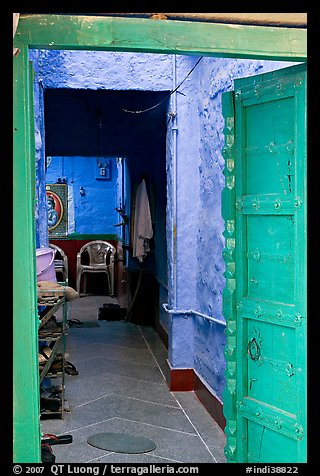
57, 205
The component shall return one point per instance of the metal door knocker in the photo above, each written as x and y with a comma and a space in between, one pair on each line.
253, 349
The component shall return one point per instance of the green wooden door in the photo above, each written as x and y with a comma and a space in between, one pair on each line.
264, 207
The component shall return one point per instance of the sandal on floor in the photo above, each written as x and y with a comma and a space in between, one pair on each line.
56, 440
57, 366
70, 369
74, 322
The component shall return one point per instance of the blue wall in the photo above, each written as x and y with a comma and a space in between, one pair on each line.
40, 209
94, 212
192, 266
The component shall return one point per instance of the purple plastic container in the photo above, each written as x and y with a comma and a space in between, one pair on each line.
45, 265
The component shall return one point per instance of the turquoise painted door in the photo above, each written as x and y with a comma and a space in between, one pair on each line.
264, 207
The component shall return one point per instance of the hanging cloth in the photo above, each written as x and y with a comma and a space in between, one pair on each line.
142, 231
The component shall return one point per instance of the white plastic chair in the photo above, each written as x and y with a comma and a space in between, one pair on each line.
60, 263
101, 260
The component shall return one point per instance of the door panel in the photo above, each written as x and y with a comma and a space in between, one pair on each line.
262, 439
270, 256
265, 397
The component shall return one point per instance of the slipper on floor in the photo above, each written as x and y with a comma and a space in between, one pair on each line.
57, 366
70, 369
74, 322
57, 440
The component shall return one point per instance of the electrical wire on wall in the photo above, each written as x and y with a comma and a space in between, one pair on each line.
168, 95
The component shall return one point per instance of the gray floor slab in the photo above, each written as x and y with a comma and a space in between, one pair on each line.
98, 366
133, 409
79, 393
121, 388
171, 446
213, 435
115, 352
106, 334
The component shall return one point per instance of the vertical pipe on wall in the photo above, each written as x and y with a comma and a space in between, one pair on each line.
174, 185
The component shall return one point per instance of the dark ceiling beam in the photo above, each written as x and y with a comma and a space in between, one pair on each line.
275, 19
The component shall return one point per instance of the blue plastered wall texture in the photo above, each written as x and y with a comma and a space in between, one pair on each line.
41, 224
76, 70
195, 279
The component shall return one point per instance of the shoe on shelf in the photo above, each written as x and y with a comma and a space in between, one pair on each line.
52, 324
49, 404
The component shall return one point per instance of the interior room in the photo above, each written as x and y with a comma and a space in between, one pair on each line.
100, 139
84, 131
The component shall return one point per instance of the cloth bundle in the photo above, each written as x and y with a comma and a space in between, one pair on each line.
48, 291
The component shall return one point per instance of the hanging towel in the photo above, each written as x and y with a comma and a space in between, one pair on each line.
142, 231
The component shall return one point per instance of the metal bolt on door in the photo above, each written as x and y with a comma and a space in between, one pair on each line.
264, 208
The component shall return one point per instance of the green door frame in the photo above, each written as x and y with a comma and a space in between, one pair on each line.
71, 32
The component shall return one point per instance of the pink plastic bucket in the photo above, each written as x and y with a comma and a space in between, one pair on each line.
45, 265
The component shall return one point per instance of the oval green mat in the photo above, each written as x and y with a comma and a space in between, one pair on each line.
121, 443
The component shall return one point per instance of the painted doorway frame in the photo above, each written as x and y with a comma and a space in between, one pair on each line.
72, 32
